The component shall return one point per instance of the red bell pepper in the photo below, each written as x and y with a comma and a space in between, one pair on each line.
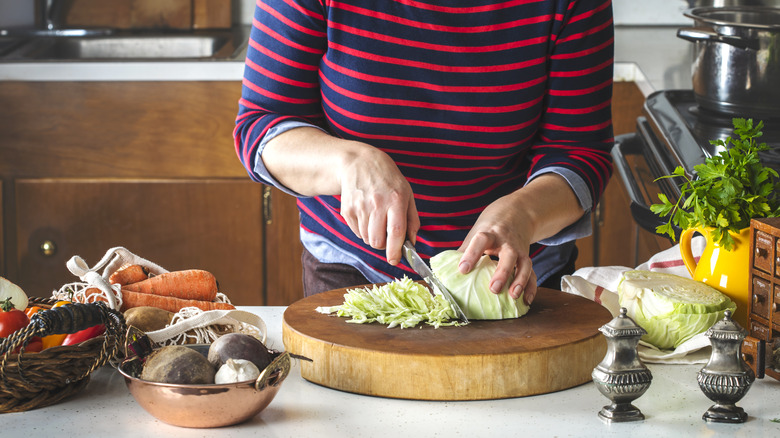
84, 335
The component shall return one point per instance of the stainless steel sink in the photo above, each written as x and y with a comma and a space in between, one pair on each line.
199, 45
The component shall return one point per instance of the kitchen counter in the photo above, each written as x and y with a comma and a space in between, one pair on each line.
652, 56
673, 406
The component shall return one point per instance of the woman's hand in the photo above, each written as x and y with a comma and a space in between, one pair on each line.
377, 202
503, 230
508, 226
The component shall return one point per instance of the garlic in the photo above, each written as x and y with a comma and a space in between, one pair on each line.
236, 370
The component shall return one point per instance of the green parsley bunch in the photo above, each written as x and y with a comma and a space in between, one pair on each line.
729, 189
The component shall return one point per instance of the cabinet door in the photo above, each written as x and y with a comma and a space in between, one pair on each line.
211, 224
284, 274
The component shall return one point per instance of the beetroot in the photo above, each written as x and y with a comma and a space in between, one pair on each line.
239, 346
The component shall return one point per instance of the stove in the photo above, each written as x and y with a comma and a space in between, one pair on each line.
676, 131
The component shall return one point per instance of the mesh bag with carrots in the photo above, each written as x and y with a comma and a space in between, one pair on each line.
199, 312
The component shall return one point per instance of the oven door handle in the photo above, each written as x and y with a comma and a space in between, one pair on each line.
641, 212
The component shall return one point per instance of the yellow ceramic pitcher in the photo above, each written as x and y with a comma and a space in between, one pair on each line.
726, 271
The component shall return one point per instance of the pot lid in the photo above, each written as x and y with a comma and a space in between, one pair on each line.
755, 17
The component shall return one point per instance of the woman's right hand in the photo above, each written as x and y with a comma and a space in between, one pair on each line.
377, 201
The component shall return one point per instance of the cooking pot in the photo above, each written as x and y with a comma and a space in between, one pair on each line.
736, 68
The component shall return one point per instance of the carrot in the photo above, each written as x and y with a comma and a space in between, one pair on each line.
129, 274
190, 284
132, 299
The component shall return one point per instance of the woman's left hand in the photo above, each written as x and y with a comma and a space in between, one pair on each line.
508, 226
502, 230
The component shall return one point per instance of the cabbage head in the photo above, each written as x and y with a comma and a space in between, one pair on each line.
471, 291
672, 309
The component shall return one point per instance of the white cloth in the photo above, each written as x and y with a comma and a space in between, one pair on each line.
599, 284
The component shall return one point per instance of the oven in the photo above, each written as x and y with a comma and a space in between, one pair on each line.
675, 131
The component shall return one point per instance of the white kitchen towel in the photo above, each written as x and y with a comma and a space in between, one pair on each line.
600, 285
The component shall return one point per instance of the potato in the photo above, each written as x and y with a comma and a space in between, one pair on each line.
178, 364
148, 318
239, 346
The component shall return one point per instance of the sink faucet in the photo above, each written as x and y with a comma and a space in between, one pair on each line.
49, 22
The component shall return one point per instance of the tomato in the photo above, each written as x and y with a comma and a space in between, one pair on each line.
11, 319
84, 335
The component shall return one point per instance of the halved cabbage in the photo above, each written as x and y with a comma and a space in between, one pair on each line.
672, 309
471, 291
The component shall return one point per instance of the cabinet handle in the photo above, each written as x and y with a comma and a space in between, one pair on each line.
757, 299
267, 211
599, 215
48, 248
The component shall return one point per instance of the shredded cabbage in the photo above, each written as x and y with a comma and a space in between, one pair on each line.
400, 303
471, 291
672, 309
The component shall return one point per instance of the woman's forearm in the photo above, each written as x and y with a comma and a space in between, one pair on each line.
310, 161
549, 204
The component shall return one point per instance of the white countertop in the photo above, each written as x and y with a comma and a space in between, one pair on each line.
673, 406
652, 56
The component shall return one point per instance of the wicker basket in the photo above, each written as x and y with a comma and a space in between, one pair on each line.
34, 380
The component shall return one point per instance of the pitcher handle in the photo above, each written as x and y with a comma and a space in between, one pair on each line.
685, 249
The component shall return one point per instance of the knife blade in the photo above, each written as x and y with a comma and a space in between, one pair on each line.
419, 266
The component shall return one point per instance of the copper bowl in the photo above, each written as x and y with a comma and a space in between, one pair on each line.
201, 406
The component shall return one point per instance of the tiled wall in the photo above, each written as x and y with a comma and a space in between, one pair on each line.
627, 12
650, 12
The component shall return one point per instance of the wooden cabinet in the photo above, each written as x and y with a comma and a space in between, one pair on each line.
761, 349
151, 166
617, 240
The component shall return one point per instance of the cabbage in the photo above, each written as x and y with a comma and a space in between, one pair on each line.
400, 303
672, 309
471, 291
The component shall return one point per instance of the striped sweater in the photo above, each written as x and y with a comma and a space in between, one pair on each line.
469, 97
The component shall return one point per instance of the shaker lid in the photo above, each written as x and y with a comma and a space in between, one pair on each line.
726, 329
622, 326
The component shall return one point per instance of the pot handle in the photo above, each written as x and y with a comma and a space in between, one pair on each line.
697, 34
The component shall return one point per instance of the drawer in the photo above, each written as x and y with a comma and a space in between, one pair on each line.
763, 256
777, 258
760, 301
760, 331
753, 355
774, 308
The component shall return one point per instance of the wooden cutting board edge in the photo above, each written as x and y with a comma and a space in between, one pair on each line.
436, 377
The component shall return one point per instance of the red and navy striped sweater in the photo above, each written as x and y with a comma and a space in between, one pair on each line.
469, 97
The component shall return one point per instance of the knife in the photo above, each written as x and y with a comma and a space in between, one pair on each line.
419, 266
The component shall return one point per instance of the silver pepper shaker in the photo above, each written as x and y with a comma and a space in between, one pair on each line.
621, 376
726, 378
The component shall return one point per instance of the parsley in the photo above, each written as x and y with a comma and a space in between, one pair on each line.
729, 189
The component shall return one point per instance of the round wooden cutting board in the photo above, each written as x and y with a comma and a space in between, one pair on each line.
553, 347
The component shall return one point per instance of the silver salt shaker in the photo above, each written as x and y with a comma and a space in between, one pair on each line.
726, 378
621, 376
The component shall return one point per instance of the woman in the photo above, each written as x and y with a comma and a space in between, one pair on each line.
479, 125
